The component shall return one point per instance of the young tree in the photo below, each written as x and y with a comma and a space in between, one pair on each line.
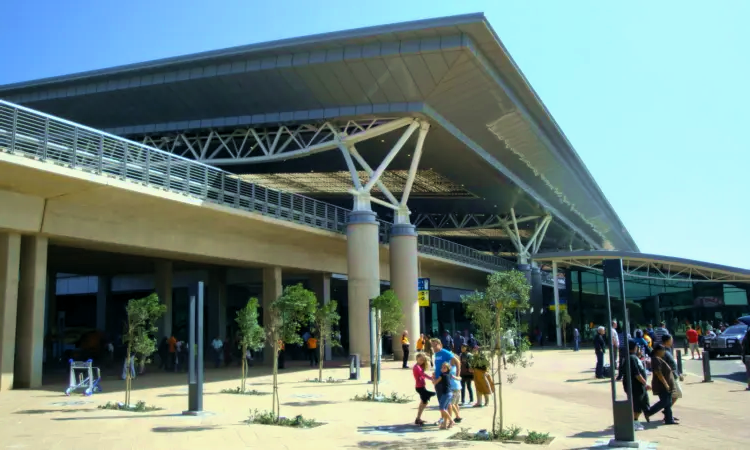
295, 307
326, 318
565, 321
494, 314
142, 314
388, 319
252, 336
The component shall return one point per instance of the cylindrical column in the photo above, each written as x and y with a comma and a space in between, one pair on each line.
10, 256
363, 273
163, 287
404, 267
537, 301
30, 316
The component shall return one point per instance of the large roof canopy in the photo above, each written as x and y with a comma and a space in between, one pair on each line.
647, 266
491, 134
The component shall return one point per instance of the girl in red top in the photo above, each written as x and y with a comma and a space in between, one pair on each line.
419, 378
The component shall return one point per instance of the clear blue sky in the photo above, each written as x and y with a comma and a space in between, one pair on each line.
653, 95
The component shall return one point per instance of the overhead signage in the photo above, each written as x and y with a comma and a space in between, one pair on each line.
423, 294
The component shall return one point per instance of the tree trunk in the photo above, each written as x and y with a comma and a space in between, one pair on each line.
320, 360
276, 408
565, 342
498, 414
244, 368
378, 338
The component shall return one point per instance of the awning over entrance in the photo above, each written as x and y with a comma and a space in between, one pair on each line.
643, 265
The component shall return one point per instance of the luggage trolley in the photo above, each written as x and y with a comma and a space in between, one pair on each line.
86, 379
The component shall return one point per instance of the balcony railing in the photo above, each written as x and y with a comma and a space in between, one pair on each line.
50, 139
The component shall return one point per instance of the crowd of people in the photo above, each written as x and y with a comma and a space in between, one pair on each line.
456, 365
648, 351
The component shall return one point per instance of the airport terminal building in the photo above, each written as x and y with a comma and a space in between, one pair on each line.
351, 162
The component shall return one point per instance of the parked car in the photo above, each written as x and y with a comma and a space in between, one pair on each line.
726, 343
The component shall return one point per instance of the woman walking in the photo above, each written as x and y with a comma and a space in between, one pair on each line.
467, 377
420, 382
482, 380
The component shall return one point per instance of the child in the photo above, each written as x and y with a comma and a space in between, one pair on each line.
445, 395
419, 378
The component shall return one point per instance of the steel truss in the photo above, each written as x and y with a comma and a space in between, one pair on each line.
248, 145
656, 271
466, 221
525, 252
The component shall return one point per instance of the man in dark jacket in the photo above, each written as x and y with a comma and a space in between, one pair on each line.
600, 344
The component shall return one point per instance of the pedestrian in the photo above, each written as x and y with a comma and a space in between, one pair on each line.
420, 385
473, 343
442, 382
576, 340
662, 384
467, 377
405, 348
282, 354
420, 343
312, 348
622, 338
600, 346
172, 350
659, 332
693, 337
668, 342
218, 346
640, 340
447, 341
615, 343
129, 365
455, 381
637, 387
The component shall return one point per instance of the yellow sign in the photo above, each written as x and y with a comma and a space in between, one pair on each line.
424, 298
563, 307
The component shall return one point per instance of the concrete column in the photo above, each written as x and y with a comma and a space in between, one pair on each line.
32, 290
272, 289
363, 272
10, 256
404, 265
163, 284
217, 303
321, 286
104, 286
556, 287
537, 300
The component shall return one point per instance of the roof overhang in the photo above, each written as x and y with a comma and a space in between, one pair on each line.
647, 266
478, 95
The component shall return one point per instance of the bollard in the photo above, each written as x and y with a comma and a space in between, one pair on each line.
354, 367
679, 362
707, 368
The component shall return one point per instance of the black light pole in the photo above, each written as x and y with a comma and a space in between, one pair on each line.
622, 410
195, 354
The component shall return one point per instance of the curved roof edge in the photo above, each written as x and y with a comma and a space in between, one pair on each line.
261, 46
663, 267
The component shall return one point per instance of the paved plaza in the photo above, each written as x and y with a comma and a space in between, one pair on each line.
556, 395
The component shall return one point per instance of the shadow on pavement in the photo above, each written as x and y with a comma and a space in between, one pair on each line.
154, 378
50, 411
311, 403
108, 417
609, 431
415, 444
183, 429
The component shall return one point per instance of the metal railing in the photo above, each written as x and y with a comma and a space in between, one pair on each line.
51, 139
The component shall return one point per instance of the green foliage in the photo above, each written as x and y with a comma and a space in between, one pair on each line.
239, 391
495, 315
296, 307
394, 397
389, 306
142, 315
252, 336
565, 318
478, 360
326, 319
138, 407
534, 437
270, 418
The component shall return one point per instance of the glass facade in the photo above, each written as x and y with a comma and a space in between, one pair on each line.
650, 300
